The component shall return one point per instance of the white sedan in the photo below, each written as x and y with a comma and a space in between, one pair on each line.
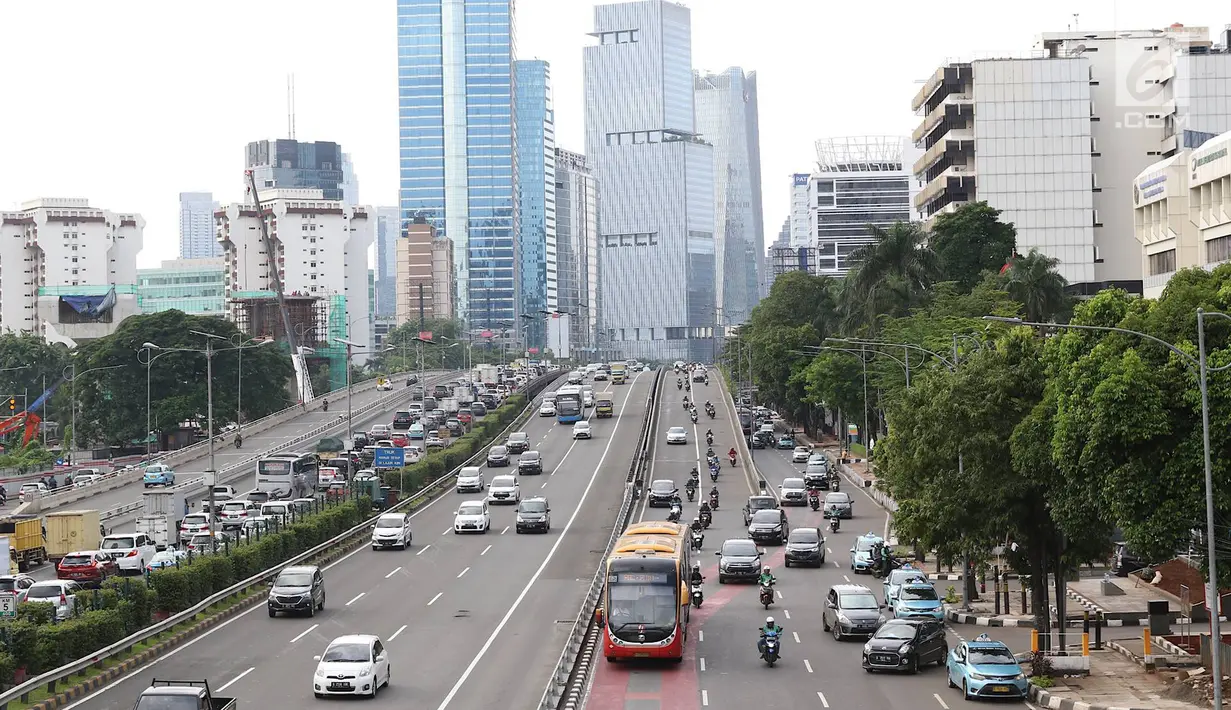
677, 435
504, 489
352, 665
581, 430
801, 454
547, 409
472, 516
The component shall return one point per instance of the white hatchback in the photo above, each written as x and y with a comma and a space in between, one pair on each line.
504, 489
581, 430
801, 454
392, 530
547, 409
352, 665
471, 516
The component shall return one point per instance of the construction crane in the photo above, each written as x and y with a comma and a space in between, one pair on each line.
28, 418
275, 280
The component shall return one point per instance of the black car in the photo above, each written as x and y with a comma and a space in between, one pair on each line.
518, 442
533, 514
769, 526
757, 443
805, 546
361, 440
497, 456
662, 492
412, 380
530, 463
922, 639
738, 559
756, 503
402, 420
299, 589
819, 481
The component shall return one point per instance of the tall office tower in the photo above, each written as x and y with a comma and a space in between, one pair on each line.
424, 275
197, 226
577, 249
458, 169
537, 267
388, 231
802, 233
767, 257
350, 182
859, 183
1055, 142
655, 183
727, 119
286, 163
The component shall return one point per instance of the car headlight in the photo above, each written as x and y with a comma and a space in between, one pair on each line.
842, 618
320, 673
867, 647
905, 649
722, 564
777, 528
365, 672
1019, 676
977, 676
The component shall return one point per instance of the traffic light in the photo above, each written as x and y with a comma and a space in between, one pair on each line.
12, 404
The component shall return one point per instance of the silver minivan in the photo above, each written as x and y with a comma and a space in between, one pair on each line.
816, 468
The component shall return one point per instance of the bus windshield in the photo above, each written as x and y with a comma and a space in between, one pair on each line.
642, 599
567, 404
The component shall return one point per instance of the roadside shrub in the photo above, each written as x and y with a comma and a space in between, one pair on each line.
7, 666
36, 613
61, 643
18, 638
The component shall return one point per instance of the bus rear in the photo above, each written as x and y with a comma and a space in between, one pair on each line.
646, 602
274, 477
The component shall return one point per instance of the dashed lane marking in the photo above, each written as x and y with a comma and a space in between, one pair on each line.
459, 574
786, 613
234, 680
305, 632
808, 665
824, 702
701, 661
395, 571
422, 550
484, 552
942, 703
705, 698
358, 596
796, 635
398, 632
438, 595
506, 529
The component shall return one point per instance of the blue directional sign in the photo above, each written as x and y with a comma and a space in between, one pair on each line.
389, 457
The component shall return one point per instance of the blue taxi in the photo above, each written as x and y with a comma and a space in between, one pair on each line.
984, 668
916, 600
861, 552
158, 475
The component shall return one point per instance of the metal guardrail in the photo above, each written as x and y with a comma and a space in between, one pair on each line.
198, 449
50, 678
566, 687
237, 470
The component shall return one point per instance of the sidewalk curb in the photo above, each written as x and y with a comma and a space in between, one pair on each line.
958, 617
1047, 700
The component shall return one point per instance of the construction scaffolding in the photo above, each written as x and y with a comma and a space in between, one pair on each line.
317, 322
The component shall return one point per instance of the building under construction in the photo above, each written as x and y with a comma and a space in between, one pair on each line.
317, 321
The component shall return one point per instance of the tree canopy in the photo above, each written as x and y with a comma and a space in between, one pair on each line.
970, 243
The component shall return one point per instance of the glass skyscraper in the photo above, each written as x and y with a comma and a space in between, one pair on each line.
295, 164
457, 167
538, 272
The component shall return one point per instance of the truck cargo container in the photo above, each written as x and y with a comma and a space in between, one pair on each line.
25, 535
71, 531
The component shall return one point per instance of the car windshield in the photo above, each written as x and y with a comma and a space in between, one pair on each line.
162, 557
904, 632
39, 591
8, 584
676, 430
739, 548
196, 519
517, 437
767, 517
119, 543
793, 483
294, 579
837, 498
499, 451
529, 456
901, 576
760, 503
804, 536
76, 560
991, 656
534, 506
662, 486
864, 544
388, 523
470, 509
234, 506
918, 594
502, 482
347, 653
859, 600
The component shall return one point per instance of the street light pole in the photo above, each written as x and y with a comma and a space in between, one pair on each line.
72, 380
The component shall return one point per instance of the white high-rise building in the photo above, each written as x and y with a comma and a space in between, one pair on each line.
323, 255
655, 183
197, 226
802, 234
69, 271
1054, 141
726, 107
577, 248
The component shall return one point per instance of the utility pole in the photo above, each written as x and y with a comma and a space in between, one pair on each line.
209, 416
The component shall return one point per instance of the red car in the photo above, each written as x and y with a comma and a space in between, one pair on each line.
88, 567
400, 439
465, 417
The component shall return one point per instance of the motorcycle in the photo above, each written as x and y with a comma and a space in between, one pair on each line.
706, 518
679, 385
767, 595
833, 484
325, 406
814, 499
714, 474
690, 491
733, 461
713, 501
710, 412
697, 596
709, 439
693, 415
697, 541
834, 524
769, 648
239, 441
674, 515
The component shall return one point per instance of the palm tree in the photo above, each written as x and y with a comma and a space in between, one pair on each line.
1032, 280
891, 275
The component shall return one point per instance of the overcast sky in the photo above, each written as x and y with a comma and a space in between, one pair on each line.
130, 102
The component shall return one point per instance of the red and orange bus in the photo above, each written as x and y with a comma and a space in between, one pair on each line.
646, 600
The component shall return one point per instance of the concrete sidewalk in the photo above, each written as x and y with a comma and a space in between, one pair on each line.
1114, 682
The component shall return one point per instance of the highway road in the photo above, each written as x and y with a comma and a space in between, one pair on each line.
722, 668
470, 621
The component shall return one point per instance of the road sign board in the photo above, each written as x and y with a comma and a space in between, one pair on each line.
389, 457
8, 605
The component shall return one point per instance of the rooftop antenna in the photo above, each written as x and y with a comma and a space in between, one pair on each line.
1075, 16
290, 106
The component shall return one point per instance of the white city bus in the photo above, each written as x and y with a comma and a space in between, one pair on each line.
288, 475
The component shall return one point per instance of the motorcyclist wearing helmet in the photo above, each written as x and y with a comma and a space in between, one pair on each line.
770, 627
714, 493
696, 524
705, 507
732, 453
767, 578
696, 577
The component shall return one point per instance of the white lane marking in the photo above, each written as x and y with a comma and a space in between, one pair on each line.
786, 613
829, 552
396, 633
835, 564
234, 680
357, 598
438, 595
422, 550
796, 635
846, 578
474, 663
778, 593
705, 698
459, 574
450, 529
824, 702
544, 484
808, 665
700, 634
399, 569
306, 631
506, 529
942, 702
484, 552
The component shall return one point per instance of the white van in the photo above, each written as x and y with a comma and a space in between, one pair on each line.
278, 509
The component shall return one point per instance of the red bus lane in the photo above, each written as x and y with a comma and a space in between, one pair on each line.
667, 686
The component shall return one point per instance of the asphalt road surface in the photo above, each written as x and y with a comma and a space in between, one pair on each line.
473, 621
722, 668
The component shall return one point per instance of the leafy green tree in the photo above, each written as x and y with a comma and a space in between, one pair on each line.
27, 365
27, 458
112, 403
890, 275
971, 242
1034, 282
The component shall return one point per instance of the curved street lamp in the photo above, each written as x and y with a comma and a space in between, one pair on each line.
71, 374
